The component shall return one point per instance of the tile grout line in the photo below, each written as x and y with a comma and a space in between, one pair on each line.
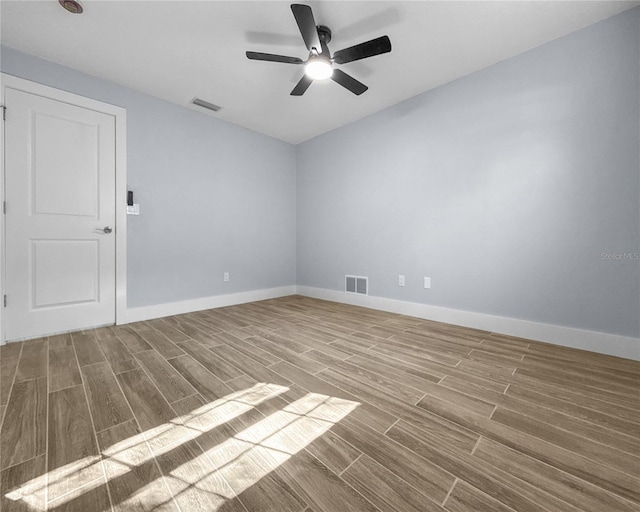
22, 462
591, 391
216, 468
46, 435
588, 457
13, 382
93, 425
367, 498
390, 427
598, 373
32, 378
184, 397
202, 364
67, 494
450, 491
475, 446
135, 418
589, 424
613, 431
351, 464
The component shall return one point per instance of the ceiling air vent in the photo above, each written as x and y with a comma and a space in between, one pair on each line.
205, 104
356, 284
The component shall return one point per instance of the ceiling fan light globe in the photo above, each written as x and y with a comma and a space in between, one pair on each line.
318, 69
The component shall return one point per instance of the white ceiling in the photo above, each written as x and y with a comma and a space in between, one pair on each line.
178, 50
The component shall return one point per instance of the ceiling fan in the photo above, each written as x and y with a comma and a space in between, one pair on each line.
320, 64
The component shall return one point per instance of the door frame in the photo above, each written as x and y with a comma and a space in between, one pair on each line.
120, 116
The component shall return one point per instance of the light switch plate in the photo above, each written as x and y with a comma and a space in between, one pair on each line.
427, 283
133, 210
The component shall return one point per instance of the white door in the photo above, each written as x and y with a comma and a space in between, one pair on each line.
60, 216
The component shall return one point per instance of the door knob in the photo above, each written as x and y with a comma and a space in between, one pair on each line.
107, 229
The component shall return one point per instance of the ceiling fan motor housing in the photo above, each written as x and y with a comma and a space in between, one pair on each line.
324, 33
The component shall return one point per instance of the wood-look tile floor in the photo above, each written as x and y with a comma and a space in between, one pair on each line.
301, 405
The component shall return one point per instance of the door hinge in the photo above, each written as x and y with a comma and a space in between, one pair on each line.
4, 207
4, 112
5, 301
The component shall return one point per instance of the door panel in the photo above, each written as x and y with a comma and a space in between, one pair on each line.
65, 272
66, 151
60, 192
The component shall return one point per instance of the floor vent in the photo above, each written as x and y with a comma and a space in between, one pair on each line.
356, 284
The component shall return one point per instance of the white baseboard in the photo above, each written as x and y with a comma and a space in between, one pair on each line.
218, 301
611, 344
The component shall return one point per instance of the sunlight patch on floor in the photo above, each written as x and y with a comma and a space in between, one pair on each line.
218, 473
87, 473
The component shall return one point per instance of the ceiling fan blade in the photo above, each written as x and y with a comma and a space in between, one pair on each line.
348, 82
307, 25
363, 50
273, 58
302, 86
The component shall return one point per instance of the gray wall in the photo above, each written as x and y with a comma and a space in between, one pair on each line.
214, 197
505, 187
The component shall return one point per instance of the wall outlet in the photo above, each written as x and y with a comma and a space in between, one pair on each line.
225, 277
133, 209
400, 280
427, 283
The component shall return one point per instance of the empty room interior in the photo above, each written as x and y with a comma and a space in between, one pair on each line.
366, 256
